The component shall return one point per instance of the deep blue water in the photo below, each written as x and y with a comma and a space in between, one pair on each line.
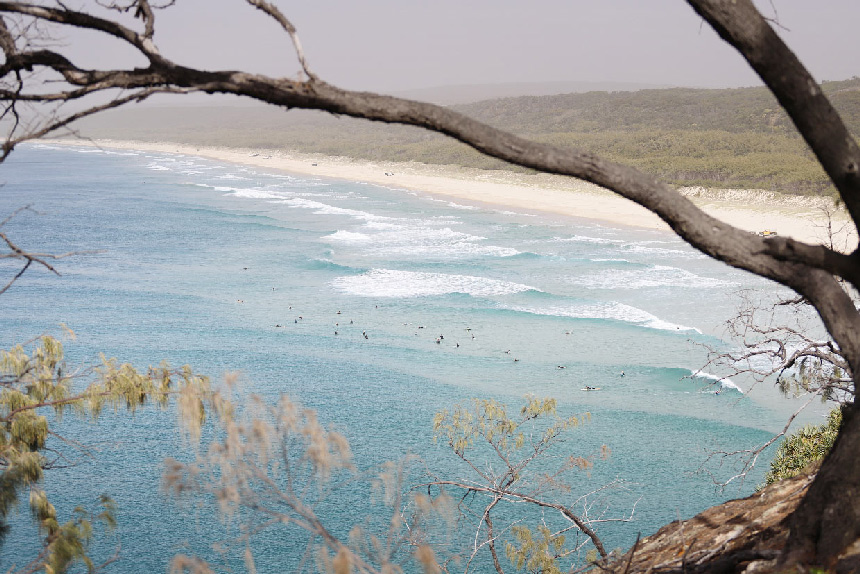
199, 261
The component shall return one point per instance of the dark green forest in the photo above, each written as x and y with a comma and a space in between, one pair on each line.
728, 138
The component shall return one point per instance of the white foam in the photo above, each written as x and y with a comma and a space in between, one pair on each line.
377, 225
251, 193
410, 238
641, 249
460, 206
653, 276
326, 209
637, 247
402, 284
611, 310
725, 382
349, 237
158, 167
516, 213
586, 239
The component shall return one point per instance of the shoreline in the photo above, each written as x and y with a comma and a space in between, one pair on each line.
800, 217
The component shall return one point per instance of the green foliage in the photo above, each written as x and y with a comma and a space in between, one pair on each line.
535, 551
819, 374
488, 419
34, 381
518, 471
733, 138
808, 445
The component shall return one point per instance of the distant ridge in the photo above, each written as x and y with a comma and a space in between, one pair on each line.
469, 93
736, 138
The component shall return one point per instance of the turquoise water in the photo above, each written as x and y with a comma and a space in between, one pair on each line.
212, 265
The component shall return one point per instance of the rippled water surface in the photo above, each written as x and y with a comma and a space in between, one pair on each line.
229, 268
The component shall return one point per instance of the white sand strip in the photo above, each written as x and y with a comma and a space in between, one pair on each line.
803, 218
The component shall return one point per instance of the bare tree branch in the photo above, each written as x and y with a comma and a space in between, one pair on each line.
28, 257
273, 11
813, 271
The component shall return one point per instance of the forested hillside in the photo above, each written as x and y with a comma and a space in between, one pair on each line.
716, 138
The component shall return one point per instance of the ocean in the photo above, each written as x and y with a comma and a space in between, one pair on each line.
377, 307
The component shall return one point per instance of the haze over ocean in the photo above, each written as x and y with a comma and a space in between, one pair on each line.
229, 268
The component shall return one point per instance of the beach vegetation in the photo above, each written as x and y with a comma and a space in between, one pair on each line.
720, 138
807, 446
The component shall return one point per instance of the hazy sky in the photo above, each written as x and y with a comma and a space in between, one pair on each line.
388, 45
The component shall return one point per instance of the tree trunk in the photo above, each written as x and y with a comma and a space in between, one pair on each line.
827, 521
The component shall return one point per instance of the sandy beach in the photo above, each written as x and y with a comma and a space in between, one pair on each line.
803, 218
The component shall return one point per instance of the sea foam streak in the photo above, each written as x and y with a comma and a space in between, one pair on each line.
654, 276
725, 382
392, 283
611, 310
416, 239
637, 247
